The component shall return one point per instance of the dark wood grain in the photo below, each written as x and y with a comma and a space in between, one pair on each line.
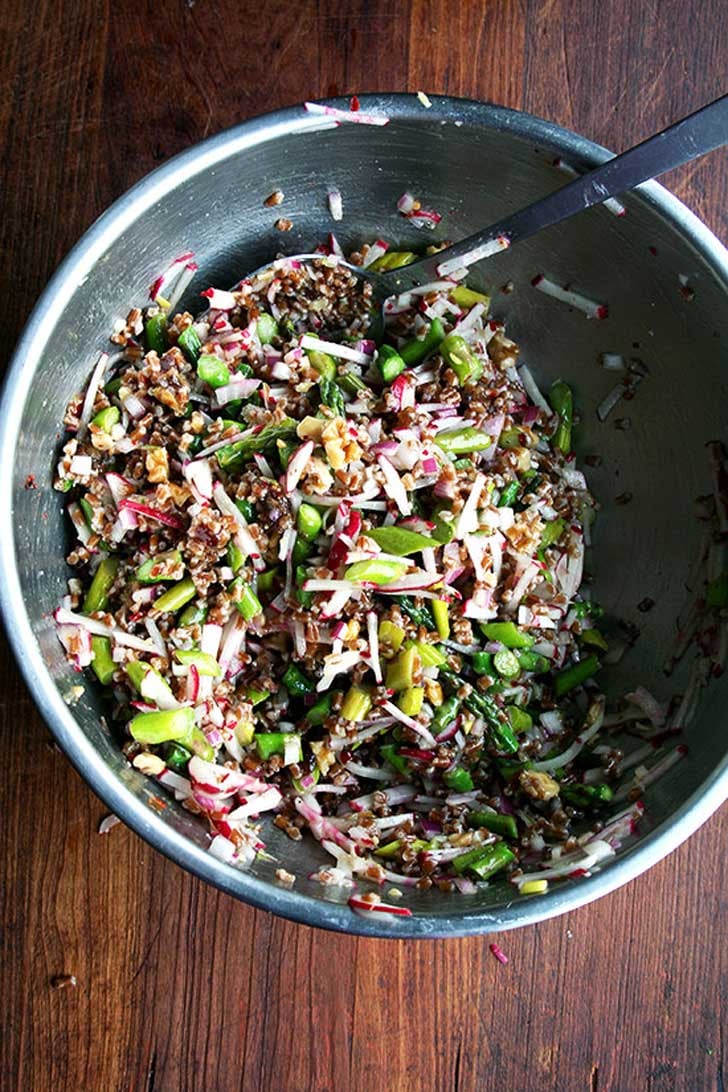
179, 988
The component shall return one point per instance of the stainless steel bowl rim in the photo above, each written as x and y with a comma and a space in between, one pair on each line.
289, 903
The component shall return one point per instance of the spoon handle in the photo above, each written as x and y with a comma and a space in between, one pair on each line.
688, 139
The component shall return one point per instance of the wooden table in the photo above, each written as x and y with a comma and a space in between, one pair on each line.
178, 987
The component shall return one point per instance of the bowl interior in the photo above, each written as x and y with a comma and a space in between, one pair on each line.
473, 164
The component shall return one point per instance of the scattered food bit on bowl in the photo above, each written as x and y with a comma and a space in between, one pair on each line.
409, 207
613, 362
686, 289
283, 224
591, 308
424, 99
275, 198
285, 878
354, 115
336, 206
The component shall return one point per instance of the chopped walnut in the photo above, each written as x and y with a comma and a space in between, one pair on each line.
325, 758
341, 447
151, 765
526, 532
157, 464
502, 351
284, 877
317, 476
311, 428
433, 692
541, 786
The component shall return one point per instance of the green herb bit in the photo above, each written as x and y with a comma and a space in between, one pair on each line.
484, 861
440, 612
176, 756
190, 344
331, 396
461, 358
467, 297
155, 332
274, 743
462, 441
508, 634
254, 696
506, 664
444, 531
552, 532
203, 661
160, 567
574, 676
211, 370
266, 328
88, 512
509, 493
103, 664
419, 348
459, 780
393, 259
103, 580
246, 509
586, 609
504, 825
245, 599
296, 683
377, 571
587, 796
399, 541
595, 638
233, 456
356, 704
105, 419
320, 710
421, 616
520, 720
390, 363
410, 701
176, 597
562, 402
388, 751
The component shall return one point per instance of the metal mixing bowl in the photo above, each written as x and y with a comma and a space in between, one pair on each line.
474, 163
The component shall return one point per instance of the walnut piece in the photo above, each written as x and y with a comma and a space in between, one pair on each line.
539, 785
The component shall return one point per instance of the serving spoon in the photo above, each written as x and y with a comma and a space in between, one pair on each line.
694, 136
